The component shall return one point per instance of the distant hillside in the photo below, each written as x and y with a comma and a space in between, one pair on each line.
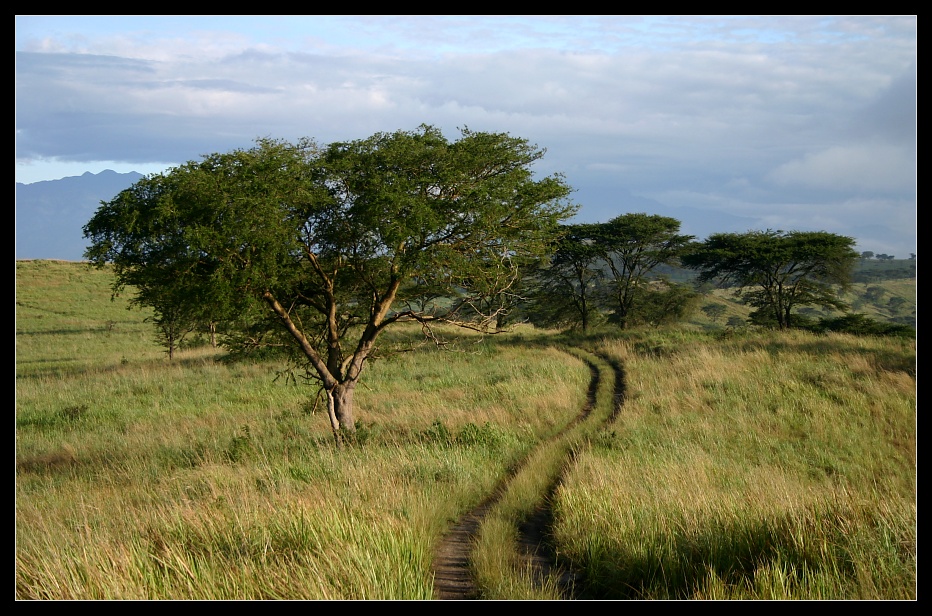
51, 214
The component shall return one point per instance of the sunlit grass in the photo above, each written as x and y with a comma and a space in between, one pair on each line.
758, 466
144, 478
745, 465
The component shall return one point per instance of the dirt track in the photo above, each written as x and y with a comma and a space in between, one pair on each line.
453, 577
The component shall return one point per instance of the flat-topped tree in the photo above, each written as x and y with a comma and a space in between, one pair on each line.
634, 246
567, 285
777, 271
336, 243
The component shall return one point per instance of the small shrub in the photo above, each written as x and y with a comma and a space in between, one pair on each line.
437, 433
240, 446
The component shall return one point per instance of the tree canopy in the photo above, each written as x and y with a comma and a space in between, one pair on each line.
566, 287
611, 267
777, 271
323, 247
634, 245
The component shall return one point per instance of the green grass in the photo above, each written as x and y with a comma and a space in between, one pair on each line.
769, 465
744, 464
144, 478
872, 299
501, 570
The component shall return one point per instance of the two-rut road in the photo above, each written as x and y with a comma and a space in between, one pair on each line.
453, 575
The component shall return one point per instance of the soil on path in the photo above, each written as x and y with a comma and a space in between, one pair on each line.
453, 577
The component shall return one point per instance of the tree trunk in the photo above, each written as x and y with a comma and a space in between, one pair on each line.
340, 410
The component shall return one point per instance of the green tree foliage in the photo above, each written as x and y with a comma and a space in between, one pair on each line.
568, 284
874, 293
610, 268
735, 322
661, 302
714, 311
322, 248
633, 246
896, 303
862, 325
776, 271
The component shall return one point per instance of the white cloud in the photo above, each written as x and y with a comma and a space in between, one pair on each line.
867, 167
736, 114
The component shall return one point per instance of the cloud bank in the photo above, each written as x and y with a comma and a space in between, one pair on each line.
785, 121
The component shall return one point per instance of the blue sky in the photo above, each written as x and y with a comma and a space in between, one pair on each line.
769, 122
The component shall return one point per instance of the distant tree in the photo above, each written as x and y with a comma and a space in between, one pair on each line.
777, 271
874, 293
714, 311
321, 249
611, 266
736, 322
569, 281
862, 325
896, 303
661, 302
634, 245
867, 255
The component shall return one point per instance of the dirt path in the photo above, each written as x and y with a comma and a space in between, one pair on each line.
535, 534
536, 545
453, 578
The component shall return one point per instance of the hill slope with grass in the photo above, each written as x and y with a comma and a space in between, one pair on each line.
741, 464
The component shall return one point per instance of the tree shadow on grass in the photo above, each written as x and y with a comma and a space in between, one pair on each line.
682, 565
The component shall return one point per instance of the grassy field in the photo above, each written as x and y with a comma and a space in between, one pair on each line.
764, 466
743, 464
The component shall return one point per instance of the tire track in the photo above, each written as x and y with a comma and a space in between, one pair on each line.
453, 576
536, 533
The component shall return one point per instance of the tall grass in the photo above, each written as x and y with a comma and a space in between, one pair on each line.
745, 465
502, 570
757, 466
144, 478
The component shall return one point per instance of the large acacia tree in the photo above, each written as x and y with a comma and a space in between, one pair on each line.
612, 266
777, 271
334, 244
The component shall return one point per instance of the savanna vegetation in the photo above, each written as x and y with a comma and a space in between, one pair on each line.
744, 463
732, 418
320, 249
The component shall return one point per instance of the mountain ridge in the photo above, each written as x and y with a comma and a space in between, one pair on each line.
51, 214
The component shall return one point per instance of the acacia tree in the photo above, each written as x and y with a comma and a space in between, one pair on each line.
634, 245
334, 244
714, 311
567, 285
776, 271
